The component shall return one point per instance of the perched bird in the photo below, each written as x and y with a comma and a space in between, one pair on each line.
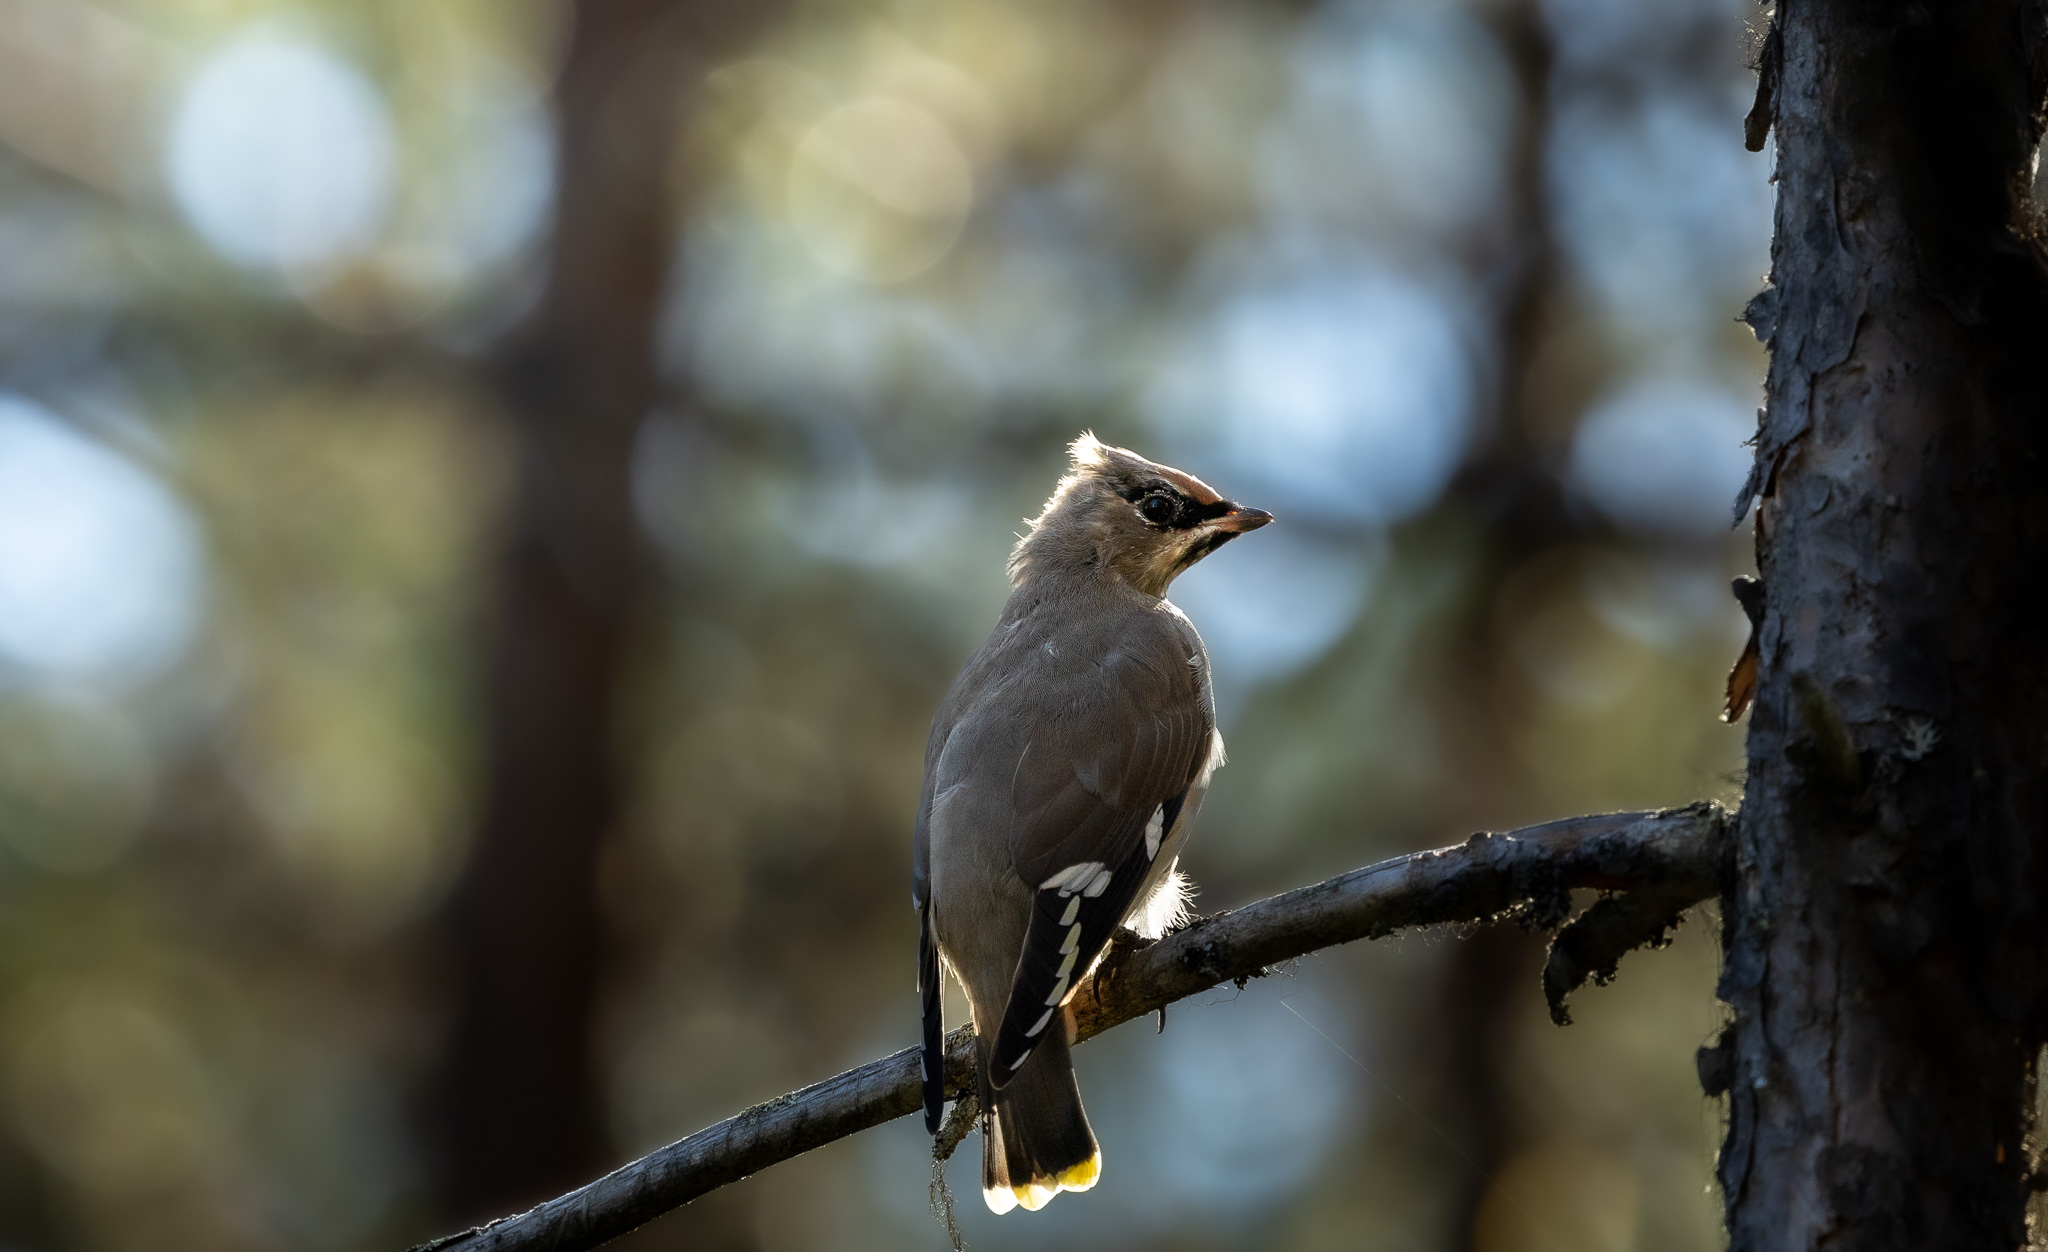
1063, 772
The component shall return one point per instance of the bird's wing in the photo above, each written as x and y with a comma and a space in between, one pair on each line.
931, 1050
921, 835
931, 1009
1093, 799
931, 1056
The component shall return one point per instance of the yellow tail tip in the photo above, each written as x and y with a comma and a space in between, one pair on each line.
1081, 1177
1036, 1194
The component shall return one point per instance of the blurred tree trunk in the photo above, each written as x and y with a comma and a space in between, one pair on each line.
1492, 974
1885, 931
524, 1115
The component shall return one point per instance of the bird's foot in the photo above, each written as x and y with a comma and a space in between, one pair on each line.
1122, 944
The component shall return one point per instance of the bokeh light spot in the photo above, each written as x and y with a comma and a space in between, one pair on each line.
879, 190
1662, 216
281, 154
488, 192
77, 780
100, 566
1400, 120
1269, 611
1246, 1098
1665, 455
106, 1090
1345, 394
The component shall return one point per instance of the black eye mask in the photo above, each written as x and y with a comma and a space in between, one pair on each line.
1164, 508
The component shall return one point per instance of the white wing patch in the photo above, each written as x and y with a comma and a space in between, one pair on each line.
1154, 829
1073, 878
1089, 878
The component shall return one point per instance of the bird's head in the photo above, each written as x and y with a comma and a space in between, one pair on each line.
1118, 514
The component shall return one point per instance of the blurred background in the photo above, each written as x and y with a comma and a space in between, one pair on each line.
491, 493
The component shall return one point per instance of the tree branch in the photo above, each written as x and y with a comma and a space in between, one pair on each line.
1528, 874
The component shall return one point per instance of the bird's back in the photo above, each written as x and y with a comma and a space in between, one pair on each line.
1055, 656
1058, 696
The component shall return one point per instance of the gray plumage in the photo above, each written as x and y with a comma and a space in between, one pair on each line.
1063, 773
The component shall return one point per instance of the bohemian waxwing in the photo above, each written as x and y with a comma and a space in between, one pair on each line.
1063, 772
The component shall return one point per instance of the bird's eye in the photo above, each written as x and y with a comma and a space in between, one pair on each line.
1158, 510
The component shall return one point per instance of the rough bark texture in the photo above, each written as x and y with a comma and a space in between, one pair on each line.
1524, 873
1884, 926
523, 1115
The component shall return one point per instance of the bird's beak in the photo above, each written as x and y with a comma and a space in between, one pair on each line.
1241, 518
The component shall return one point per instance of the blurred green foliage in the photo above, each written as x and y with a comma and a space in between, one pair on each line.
926, 242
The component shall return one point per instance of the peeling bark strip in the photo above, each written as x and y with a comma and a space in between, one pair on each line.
1757, 126
1528, 873
1884, 929
1594, 943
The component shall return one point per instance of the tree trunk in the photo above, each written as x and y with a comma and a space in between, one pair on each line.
1884, 927
523, 1117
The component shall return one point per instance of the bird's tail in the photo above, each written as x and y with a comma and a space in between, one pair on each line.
1035, 1139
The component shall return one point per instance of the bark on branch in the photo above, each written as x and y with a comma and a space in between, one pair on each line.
1673, 857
